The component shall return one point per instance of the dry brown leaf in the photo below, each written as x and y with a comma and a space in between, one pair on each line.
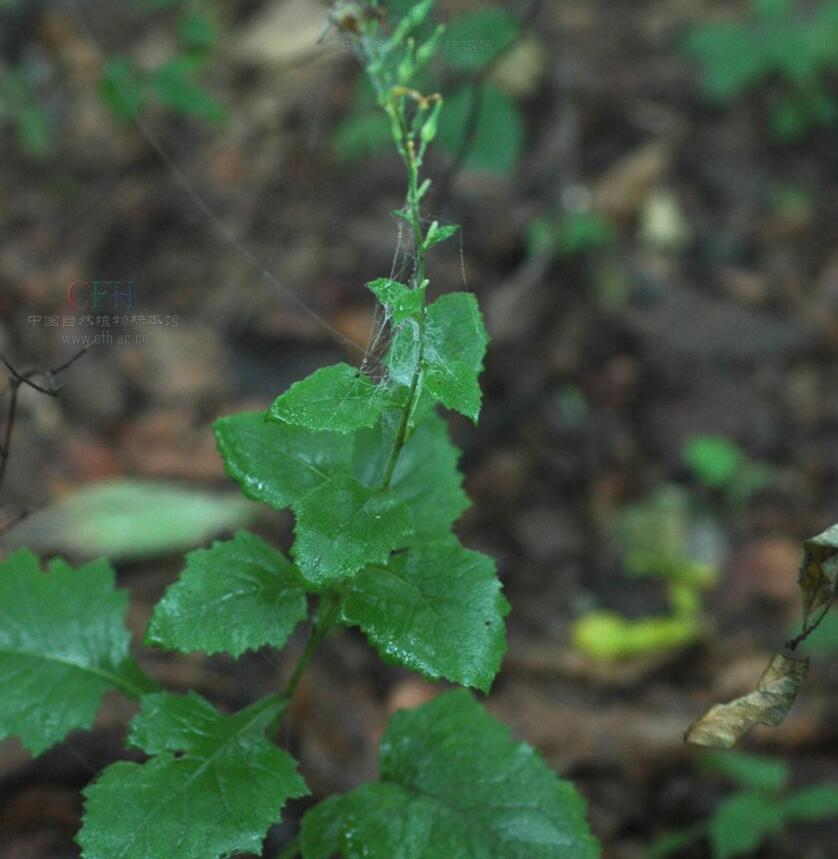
723, 725
818, 575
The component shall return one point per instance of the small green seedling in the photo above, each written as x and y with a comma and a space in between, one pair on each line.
654, 536
481, 122
763, 806
571, 234
129, 89
784, 40
124, 87
21, 109
366, 465
722, 466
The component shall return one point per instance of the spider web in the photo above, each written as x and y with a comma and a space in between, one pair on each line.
403, 266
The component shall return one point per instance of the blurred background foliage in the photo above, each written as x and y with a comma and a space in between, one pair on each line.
647, 193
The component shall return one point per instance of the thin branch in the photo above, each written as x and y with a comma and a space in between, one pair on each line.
70, 361
16, 381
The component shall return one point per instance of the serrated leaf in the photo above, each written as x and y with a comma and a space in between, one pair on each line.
400, 300
275, 462
741, 823
342, 525
454, 785
454, 347
452, 352
238, 595
426, 476
337, 398
63, 644
213, 788
723, 725
403, 353
438, 609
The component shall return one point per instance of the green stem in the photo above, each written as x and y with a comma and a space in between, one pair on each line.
326, 617
392, 100
291, 850
404, 426
408, 147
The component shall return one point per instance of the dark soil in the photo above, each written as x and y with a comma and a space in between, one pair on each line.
260, 240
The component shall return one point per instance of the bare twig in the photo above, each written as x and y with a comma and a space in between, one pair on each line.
16, 381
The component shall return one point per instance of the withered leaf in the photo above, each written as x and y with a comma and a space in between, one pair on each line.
818, 575
723, 725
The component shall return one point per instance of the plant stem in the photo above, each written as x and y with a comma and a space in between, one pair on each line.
290, 851
408, 148
327, 614
392, 100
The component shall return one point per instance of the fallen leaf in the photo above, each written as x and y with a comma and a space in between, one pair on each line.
131, 519
818, 574
723, 725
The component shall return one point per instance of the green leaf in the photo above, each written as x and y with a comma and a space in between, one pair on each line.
122, 89
175, 86
732, 58
818, 802
742, 823
63, 644
342, 525
672, 843
453, 784
213, 787
34, 131
824, 640
713, 459
584, 231
452, 352
473, 40
400, 300
454, 347
497, 139
360, 135
752, 771
277, 463
426, 476
198, 32
238, 595
131, 519
438, 609
338, 398
441, 234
